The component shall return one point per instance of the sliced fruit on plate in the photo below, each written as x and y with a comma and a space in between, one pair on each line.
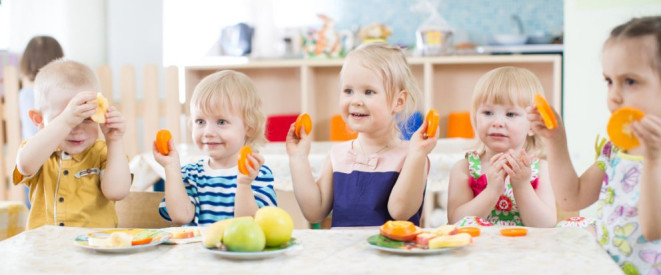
424, 237
473, 231
514, 232
545, 111
443, 230
619, 127
380, 240
432, 119
456, 240
400, 230
184, 233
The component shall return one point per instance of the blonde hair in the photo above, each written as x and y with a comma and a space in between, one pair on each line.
390, 63
508, 86
61, 76
232, 91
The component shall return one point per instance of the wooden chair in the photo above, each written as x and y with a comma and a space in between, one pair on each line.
140, 210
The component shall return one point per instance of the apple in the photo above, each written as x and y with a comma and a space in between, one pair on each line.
446, 230
424, 237
244, 235
276, 224
213, 235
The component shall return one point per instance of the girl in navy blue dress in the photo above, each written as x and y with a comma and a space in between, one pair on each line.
377, 176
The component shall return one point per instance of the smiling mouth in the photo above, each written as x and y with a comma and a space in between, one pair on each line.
359, 115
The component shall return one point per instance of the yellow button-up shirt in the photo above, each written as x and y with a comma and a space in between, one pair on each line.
66, 191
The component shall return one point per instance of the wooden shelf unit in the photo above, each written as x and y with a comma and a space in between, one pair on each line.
311, 85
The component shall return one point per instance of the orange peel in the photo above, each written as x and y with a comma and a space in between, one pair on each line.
163, 137
514, 232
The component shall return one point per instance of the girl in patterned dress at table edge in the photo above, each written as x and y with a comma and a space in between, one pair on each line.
377, 176
226, 114
505, 182
626, 184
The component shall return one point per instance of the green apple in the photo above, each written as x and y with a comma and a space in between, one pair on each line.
213, 235
276, 223
244, 235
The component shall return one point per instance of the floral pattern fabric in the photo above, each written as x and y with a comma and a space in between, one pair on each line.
618, 226
505, 212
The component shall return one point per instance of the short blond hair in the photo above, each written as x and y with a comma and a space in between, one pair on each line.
61, 76
510, 86
232, 91
390, 63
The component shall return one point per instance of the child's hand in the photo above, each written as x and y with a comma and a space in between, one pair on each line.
539, 128
518, 167
80, 107
648, 132
254, 160
298, 146
495, 173
169, 160
115, 125
420, 142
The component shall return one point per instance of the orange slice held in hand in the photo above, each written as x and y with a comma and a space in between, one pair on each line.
432, 119
619, 127
514, 232
302, 121
546, 112
100, 115
399, 230
163, 137
243, 159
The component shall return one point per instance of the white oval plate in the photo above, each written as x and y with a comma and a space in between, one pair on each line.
411, 251
81, 241
250, 255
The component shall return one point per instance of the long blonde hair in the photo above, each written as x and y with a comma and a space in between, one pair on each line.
508, 86
390, 63
233, 91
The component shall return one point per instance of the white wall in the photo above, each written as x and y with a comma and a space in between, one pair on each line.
79, 26
587, 25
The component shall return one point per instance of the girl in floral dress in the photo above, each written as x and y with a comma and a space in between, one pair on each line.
505, 182
626, 184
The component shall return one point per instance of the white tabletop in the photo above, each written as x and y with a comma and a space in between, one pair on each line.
51, 249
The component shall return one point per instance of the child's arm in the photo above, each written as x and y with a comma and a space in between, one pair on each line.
245, 203
536, 206
116, 178
407, 194
178, 204
314, 198
39, 148
648, 131
572, 193
462, 202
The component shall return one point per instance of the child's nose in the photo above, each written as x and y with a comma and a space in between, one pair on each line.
615, 95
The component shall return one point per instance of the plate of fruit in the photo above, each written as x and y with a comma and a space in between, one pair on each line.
122, 240
183, 235
266, 235
403, 237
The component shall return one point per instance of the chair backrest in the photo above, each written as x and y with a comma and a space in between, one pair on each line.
140, 210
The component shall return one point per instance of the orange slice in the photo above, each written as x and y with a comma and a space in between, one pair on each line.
619, 127
163, 137
100, 115
399, 230
473, 231
432, 119
243, 159
545, 111
514, 232
302, 121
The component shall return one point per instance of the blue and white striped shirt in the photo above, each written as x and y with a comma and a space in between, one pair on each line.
213, 191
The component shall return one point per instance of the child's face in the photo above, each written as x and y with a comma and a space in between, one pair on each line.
502, 127
363, 101
631, 75
82, 136
219, 136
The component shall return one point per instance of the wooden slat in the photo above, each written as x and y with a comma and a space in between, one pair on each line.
128, 103
150, 102
172, 105
13, 125
4, 178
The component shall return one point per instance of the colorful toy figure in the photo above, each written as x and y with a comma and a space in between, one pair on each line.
324, 43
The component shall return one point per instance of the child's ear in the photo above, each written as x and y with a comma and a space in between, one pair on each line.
400, 101
36, 118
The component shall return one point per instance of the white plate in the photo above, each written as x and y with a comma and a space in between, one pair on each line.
250, 255
81, 241
411, 251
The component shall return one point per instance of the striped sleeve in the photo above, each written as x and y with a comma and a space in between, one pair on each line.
262, 188
191, 190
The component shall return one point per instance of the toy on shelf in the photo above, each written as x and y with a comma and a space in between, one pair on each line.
324, 43
374, 32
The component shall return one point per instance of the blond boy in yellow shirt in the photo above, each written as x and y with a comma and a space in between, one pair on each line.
74, 178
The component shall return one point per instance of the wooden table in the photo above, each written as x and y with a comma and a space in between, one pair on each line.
51, 249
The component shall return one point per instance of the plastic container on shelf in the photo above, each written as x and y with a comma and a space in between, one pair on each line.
434, 34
